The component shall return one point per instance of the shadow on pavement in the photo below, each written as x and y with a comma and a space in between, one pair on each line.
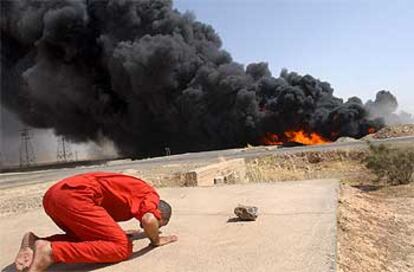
9, 268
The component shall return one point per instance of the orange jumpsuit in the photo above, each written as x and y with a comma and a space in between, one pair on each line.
87, 206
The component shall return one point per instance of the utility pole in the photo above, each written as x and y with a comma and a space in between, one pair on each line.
27, 156
167, 151
1, 161
64, 150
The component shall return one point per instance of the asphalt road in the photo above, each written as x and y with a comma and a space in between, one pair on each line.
295, 231
8, 180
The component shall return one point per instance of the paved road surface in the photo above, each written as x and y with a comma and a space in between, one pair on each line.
24, 178
295, 231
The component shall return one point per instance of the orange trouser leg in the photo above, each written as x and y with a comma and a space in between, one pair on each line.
99, 237
67, 236
60, 237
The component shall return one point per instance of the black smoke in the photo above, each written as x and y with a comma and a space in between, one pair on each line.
147, 76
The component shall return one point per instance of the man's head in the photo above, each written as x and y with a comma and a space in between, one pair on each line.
165, 210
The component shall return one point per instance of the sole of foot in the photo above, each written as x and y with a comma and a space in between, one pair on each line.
42, 256
25, 255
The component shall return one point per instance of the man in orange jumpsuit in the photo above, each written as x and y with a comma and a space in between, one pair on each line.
87, 208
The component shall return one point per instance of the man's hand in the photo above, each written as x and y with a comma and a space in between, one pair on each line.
164, 240
151, 228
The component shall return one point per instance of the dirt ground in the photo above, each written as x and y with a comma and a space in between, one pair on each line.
376, 229
395, 131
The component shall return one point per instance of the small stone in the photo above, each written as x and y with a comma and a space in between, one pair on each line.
246, 213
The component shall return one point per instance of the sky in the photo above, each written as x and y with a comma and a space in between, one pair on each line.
359, 46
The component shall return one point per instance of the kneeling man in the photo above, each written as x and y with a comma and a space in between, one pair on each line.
87, 208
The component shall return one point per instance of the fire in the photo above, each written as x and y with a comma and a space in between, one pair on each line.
271, 139
305, 138
299, 136
371, 130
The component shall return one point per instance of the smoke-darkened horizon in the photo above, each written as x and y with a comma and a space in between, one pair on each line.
146, 76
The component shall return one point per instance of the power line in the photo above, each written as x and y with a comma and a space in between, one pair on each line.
27, 156
64, 150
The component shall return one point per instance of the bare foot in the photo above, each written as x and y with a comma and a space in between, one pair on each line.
24, 257
42, 256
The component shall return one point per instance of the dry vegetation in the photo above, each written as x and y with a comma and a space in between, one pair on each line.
310, 165
390, 165
379, 165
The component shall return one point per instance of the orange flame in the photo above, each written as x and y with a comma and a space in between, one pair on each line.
371, 130
299, 136
305, 138
271, 139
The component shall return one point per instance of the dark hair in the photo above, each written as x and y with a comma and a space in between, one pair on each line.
165, 210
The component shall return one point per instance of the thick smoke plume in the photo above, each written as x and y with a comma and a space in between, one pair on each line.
146, 76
